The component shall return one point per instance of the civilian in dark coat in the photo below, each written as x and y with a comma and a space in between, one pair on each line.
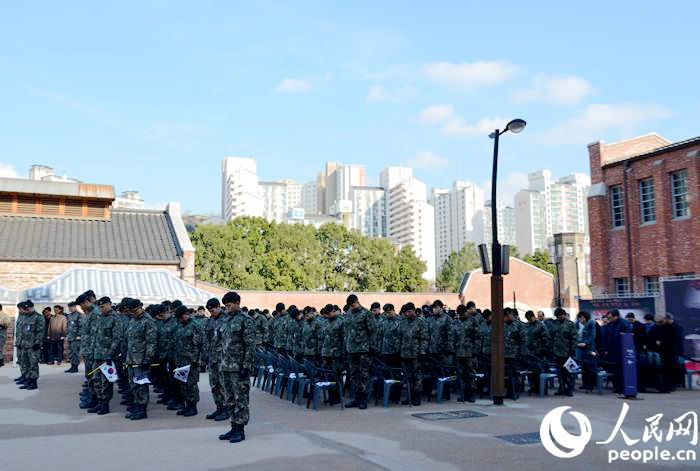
612, 346
662, 340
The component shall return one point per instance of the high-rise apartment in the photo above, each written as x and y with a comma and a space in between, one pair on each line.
239, 188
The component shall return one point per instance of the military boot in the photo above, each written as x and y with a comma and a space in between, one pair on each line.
227, 435
175, 405
26, 384
19, 378
96, 406
191, 410
87, 403
362, 404
223, 415
355, 402
32, 385
185, 408
104, 408
214, 414
139, 413
72, 369
238, 435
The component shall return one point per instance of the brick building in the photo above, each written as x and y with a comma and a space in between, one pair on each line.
644, 211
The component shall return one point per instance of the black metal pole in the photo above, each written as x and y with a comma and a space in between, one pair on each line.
497, 344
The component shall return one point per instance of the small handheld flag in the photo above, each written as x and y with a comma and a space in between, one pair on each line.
571, 365
182, 373
110, 372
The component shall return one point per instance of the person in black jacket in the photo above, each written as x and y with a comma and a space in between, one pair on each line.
662, 340
640, 339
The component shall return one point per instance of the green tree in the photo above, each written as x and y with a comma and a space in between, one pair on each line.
540, 259
457, 263
514, 252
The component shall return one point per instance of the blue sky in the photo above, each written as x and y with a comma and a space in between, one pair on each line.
151, 95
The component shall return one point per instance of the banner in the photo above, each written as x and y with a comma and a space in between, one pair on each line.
599, 307
682, 299
629, 365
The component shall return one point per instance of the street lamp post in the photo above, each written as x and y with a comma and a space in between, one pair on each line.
497, 344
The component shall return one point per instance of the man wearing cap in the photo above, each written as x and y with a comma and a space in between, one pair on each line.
31, 338
188, 349
279, 337
466, 329
86, 301
413, 344
19, 331
563, 333
441, 342
211, 353
237, 359
333, 346
106, 344
141, 346
75, 319
360, 336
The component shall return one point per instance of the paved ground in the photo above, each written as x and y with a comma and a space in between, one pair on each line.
45, 430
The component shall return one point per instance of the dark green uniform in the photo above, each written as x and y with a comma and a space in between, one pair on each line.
310, 339
106, 344
187, 349
360, 335
237, 359
75, 321
141, 347
563, 333
212, 355
31, 335
390, 344
414, 339
466, 337
333, 344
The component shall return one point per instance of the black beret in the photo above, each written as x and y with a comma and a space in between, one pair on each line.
212, 303
175, 304
352, 299
279, 307
133, 304
181, 310
81, 299
104, 300
28, 303
409, 307
439, 304
231, 297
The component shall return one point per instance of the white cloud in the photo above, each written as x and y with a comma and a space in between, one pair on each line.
378, 93
599, 120
458, 127
469, 75
427, 160
8, 171
508, 186
568, 90
436, 114
290, 85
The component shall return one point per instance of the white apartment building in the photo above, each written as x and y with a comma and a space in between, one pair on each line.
411, 219
339, 181
309, 197
369, 211
505, 220
549, 207
274, 197
459, 218
239, 188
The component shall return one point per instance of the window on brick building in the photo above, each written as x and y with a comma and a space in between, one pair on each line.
617, 206
679, 192
651, 284
622, 286
647, 205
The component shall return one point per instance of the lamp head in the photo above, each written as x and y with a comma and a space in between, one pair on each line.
516, 125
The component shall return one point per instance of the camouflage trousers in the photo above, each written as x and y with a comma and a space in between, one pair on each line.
3, 338
89, 366
104, 390
74, 352
359, 371
139, 392
465, 370
333, 364
28, 360
414, 374
217, 389
236, 396
189, 391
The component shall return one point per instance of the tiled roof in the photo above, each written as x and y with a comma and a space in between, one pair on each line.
131, 236
150, 286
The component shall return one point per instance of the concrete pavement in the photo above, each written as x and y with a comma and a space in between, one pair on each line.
45, 430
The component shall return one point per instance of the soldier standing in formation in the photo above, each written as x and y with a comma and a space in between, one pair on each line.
29, 336
142, 340
360, 335
466, 335
563, 332
537, 347
188, 347
75, 320
212, 355
106, 344
4, 325
237, 359
333, 346
86, 301
414, 338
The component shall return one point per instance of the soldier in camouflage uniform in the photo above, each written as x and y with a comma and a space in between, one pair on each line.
30, 337
537, 347
333, 346
466, 335
21, 313
261, 327
75, 319
124, 316
188, 349
441, 343
212, 355
414, 339
376, 310
237, 360
513, 340
294, 325
86, 301
279, 325
310, 337
485, 348
106, 346
389, 345
173, 394
360, 335
141, 347
4, 325
564, 337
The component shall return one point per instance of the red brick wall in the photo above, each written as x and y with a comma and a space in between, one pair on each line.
663, 248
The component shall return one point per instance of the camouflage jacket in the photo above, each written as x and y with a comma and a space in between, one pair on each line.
87, 332
31, 331
379, 323
563, 334
390, 341
310, 338
124, 319
161, 342
413, 338
360, 331
260, 328
512, 339
188, 344
75, 321
107, 336
142, 339
485, 335
441, 341
297, 345
537, 341
278, 328
333, 338
237, 342
211, 350
169, 333
466, 337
